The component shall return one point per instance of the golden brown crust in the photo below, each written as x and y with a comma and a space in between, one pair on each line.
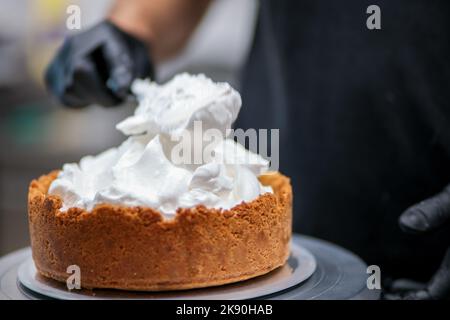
135, 248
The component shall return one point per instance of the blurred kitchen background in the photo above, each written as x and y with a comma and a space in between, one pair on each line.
37, 135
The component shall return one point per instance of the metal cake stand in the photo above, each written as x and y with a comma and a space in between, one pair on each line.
316, 269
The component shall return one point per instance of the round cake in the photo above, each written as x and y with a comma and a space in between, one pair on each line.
136, 248
180, 204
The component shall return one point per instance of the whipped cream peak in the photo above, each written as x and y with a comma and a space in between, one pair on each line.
173, 107
140, 172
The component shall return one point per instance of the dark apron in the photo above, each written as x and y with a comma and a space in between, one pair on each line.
364, 119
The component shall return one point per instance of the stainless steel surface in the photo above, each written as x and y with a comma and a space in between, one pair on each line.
8, 275
339, 274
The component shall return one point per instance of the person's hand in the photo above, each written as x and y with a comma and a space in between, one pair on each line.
427, 216
97, 66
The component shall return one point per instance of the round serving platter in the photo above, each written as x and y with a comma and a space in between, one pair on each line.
299, 267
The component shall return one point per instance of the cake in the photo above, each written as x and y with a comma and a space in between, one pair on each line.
136, 249
131, 219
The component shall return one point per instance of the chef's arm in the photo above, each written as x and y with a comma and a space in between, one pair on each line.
98, 65
165, 25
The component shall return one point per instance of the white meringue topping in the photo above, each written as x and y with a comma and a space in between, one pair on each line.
140, 171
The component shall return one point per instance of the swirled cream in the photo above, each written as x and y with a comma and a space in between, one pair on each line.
143, 171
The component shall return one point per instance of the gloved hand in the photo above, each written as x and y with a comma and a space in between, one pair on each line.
427, 216
97, 66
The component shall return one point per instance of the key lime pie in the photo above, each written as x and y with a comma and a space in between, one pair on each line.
141, 217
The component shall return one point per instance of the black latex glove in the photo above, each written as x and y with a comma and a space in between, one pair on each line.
427, 216
97, 66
